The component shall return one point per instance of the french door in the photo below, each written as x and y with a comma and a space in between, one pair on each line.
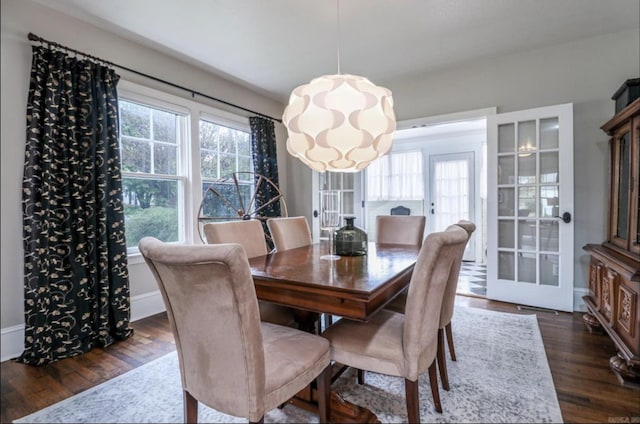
349, 184
451, 192
530, 207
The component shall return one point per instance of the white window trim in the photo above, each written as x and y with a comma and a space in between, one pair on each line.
189, 155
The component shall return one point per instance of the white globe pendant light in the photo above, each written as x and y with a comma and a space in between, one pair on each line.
339, 122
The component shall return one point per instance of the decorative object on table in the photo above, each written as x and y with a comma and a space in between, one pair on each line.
350, 240
339, 122
330, 217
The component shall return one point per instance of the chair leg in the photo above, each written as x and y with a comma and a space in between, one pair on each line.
323, 383
452, 351
413, 400
360, 377
442, 362
433, 381
258, 422
190, 408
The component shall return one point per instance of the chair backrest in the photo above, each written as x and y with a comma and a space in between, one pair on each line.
289, 233
424, 299
449, 299
213, 311
248, 233
400, 229
400, 210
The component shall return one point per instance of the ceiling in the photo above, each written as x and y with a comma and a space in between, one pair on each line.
273, 46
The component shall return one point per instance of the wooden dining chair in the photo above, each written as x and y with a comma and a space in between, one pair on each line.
404, 345
448, 303
230, 360
290, 232
250, 235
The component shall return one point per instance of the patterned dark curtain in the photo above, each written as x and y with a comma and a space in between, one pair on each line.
75, 264
265, 163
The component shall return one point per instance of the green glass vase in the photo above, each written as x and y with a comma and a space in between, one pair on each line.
350, 240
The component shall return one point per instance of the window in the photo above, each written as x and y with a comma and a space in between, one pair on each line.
394, 180
397, 176
225, 151
150, 146
172, 149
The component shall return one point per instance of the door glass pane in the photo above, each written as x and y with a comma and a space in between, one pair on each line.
506, 268
527, 234
335, 180
506, 202
526, 202
549, 133
347, 181
526, 168
549, 270
623, 188
549, 167
549, 201
526, 137
527, 267
506, 138
506, 170
347, 203
549, 236
506, 233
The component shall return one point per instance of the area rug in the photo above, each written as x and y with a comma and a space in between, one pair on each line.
501, 376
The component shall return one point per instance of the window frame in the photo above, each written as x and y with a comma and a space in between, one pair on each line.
188, 160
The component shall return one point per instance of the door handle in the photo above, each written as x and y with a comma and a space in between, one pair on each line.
566, 217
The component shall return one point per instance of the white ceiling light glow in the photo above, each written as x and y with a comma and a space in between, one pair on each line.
338, 122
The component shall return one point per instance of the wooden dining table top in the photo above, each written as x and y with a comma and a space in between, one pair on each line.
353, 287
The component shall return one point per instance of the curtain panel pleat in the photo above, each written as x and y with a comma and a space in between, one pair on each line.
75, 258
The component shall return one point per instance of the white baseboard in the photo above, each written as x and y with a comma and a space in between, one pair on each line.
11, 342
145, 305
578, 303
142, 306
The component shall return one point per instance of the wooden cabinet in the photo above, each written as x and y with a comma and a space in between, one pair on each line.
614, 275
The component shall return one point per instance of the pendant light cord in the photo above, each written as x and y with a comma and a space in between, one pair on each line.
338, 20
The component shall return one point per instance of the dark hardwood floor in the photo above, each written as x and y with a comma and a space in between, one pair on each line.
587, 390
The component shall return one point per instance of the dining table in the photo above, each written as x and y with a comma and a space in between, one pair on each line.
351, 287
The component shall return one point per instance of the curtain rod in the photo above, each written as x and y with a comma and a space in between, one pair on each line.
33, 37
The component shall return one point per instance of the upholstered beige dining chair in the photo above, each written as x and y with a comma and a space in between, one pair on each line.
250, 235
400, 229
404, 345
229, 359
448, 302
289, 233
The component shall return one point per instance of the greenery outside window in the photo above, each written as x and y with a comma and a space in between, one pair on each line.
151, 140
